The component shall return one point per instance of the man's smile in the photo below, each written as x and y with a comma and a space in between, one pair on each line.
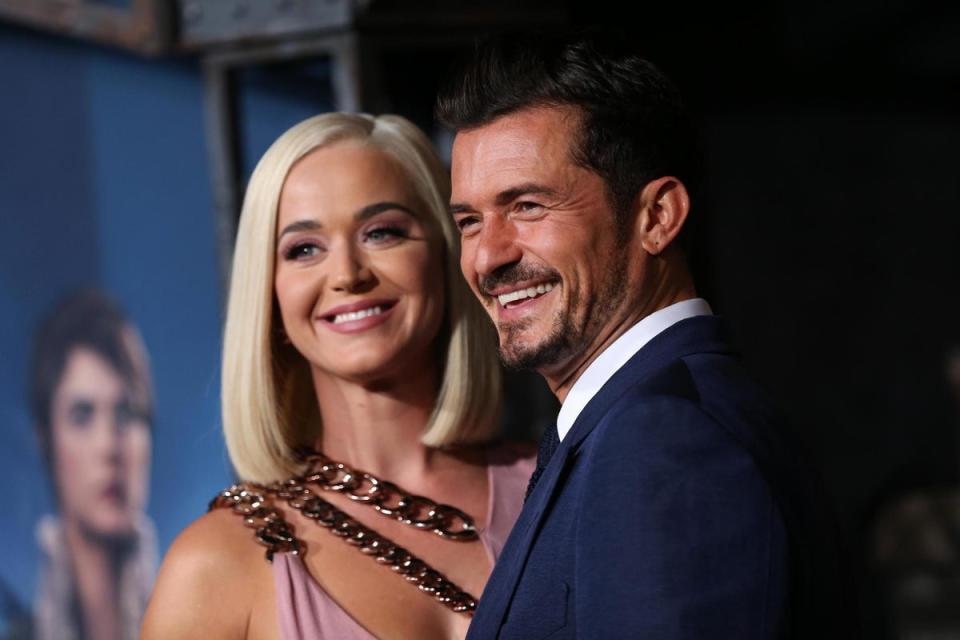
516, 296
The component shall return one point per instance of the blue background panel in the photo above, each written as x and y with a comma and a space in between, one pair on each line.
104, 182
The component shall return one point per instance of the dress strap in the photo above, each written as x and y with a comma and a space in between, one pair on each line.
252, 502
270, 527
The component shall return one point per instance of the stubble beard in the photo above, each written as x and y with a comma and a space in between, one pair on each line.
566, 337
516, 354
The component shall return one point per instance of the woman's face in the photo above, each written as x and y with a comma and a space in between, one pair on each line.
359, 280
100, 447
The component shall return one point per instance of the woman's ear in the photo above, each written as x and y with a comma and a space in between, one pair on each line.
664, 205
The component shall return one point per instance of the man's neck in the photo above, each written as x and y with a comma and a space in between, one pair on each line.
561, 378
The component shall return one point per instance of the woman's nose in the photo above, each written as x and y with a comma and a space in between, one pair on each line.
349, 271
107, 431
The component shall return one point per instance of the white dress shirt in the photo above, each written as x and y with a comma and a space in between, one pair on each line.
617, 354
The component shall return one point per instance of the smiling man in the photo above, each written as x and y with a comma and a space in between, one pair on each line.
667, 503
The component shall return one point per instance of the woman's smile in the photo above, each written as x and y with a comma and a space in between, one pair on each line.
358, 285
357, 317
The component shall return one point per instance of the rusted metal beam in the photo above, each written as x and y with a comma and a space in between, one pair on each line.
146, 27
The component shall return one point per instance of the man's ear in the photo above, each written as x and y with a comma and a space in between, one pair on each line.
664, 205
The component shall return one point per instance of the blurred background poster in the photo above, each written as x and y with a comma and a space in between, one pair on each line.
109, 330
826, 235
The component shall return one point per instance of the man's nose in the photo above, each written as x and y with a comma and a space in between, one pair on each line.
496, 246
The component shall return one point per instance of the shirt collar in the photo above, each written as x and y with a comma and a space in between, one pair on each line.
617, 354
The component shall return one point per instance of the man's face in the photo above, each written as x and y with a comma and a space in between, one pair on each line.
540, 246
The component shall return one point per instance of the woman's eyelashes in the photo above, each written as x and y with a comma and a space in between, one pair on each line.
301, 250
376, 236
385, 234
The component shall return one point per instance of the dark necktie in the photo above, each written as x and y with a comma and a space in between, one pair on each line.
548, 444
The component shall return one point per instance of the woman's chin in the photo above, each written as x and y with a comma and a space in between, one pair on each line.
116, 528
368, 365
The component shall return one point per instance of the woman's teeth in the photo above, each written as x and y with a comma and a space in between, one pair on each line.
520, 294
357, 315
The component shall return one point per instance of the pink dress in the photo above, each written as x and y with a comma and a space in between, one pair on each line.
307, 612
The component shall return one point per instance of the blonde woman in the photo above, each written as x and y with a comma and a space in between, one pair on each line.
360, 396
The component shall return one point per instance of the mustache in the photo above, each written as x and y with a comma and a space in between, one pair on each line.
513, 274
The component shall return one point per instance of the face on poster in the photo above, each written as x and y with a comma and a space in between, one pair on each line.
109, 333
91, 402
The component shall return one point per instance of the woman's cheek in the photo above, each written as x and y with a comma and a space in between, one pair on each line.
71, 461
137, 450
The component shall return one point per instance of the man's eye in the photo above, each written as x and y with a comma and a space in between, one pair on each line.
467, 223
526, 206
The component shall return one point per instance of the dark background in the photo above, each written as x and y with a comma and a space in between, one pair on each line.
828, 217
830, 228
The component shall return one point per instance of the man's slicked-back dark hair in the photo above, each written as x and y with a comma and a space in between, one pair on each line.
633, 129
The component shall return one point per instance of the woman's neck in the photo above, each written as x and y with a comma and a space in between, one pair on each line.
377, 427
96, 566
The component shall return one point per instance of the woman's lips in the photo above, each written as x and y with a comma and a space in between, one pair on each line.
115, 494
357, 317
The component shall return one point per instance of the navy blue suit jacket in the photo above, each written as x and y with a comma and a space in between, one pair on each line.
674, 508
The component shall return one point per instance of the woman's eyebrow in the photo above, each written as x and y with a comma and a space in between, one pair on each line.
366, 212
379, 207
300, 225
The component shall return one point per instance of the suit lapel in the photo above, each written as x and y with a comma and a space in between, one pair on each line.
700, 334
703, 334
503, 582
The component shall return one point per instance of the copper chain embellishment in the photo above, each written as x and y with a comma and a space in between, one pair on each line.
252, 501
388, 499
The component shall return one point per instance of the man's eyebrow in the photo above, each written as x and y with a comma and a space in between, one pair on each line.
509, 195
362, 214
456, 208
527, 189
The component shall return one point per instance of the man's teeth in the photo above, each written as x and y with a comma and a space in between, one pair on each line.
520, 294
356, 315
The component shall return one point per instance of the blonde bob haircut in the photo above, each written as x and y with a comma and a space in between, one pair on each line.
268, 403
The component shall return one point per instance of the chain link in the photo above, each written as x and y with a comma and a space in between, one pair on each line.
388, 499
252, 501
269, 526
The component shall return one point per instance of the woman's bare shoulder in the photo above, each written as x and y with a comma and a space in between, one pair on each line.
209, 581
216, 543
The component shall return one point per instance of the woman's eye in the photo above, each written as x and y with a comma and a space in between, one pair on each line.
123, 413
80, 413
301, 251
384, 234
